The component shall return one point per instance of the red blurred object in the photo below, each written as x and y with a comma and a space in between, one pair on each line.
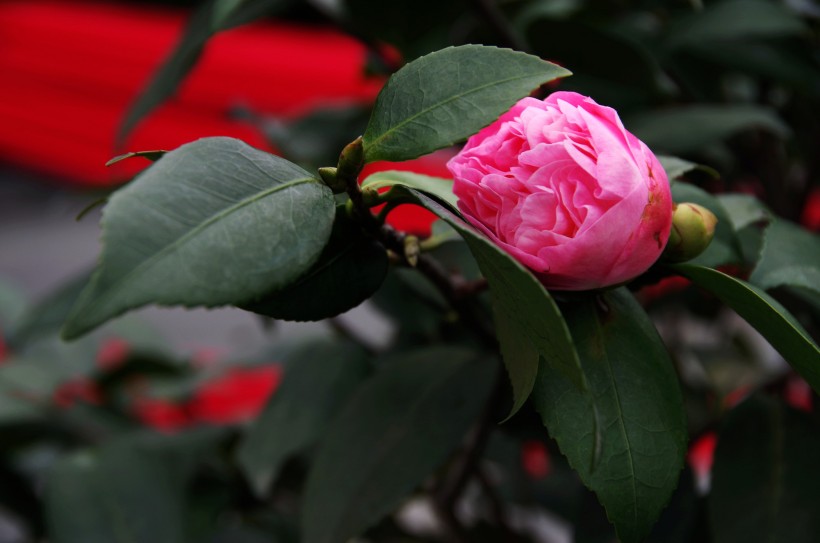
112, 353
71, 69
664, 287
237, 396
161, 414
3, 349
701, 456
811, 212
78, 390
535, 459
799, 394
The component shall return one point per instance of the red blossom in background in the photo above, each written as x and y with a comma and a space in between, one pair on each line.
535, 459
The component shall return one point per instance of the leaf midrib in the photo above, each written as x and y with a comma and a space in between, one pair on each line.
610, 374
150, 262
374, 144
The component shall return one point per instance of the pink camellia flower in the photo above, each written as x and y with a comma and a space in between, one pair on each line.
561, 185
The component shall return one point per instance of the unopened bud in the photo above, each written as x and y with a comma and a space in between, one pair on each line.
328, 175
351, 160
693, 227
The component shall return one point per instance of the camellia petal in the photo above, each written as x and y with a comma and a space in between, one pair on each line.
562, 186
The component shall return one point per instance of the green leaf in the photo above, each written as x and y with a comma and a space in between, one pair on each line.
318, 381
153, 156
212, 16
437, 187
733, 19
790, 257
530, 322
631, 449
743, 210
351, 268
214, 222
724, 248
764, 476
686, 129
447, 96
47, 316
400, 426
677, 167
766, 315
117, 494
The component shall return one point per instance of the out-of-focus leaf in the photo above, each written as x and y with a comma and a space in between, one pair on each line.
629, 446
117, 493
728, 20
351, 268
48, 315
764, 475
317, 382
677, 167
397, 428
743, 209
766, 315
724, 248
211, 17
447, 96
438, 187
790, 257
212, 223
685, 129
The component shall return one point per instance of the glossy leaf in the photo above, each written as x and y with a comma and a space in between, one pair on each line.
724, 248
631, 450
790, 257
447, 96
400, 426
685, 129
438, 187
530, 322
318, 381
764, 476
214, 222
351, 268
766, 315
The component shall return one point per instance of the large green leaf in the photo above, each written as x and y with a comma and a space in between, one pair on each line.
724, 248
447, 96
764, 479
211, 17
214, 222
529, 321
631, 450
790, 257
439, 187
685, 129
318, 380
677, 167
399, 427
118, 494
351, 268
766, 315
743, 209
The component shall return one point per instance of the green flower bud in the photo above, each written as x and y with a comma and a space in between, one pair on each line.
693, 227
328, 175
351, 160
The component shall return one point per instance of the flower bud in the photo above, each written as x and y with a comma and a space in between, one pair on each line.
328, 175
693, 227
351, 160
